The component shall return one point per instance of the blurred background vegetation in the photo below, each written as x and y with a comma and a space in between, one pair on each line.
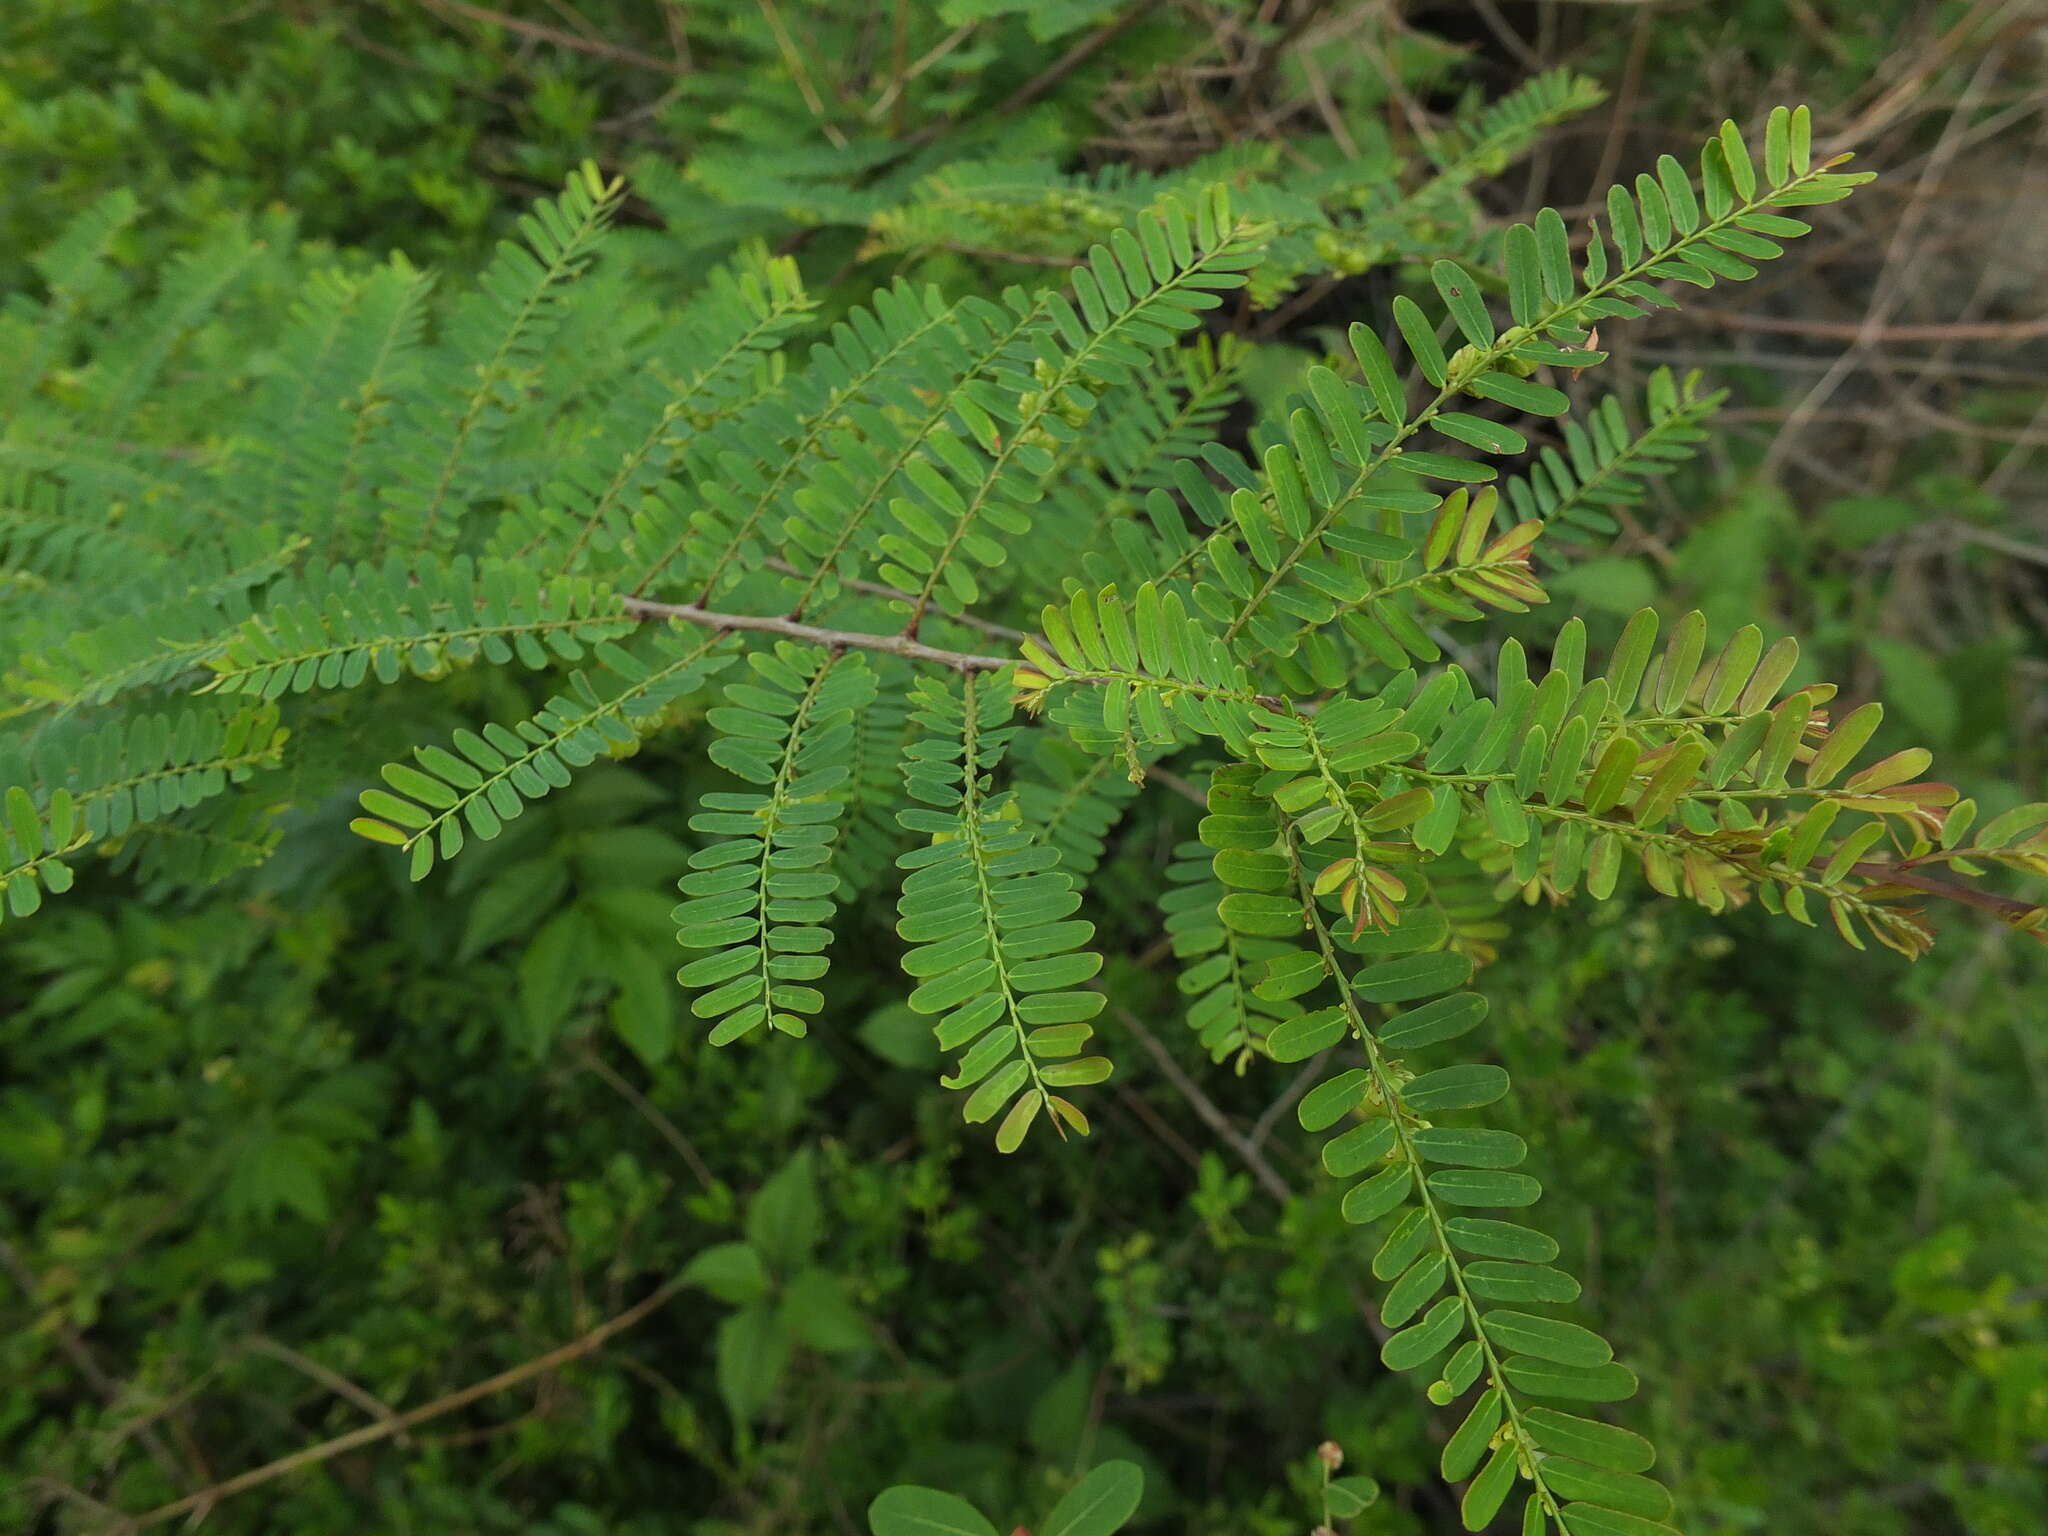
278, 1165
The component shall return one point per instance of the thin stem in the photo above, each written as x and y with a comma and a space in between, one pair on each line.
1397, 1114
837, 639
370, 1434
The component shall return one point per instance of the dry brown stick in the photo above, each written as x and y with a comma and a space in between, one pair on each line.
1074, 58
1205, 1109
794, 59
370, 1434
1969, 896
76, 1350
540, 32
654, 1117
836, 639
1849, 330
333, 1381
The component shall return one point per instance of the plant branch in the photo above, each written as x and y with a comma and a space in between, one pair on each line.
2007, 907
1205, 1108
370, 1434
897, 594
642, 1106
541, 33
80, 1354
836, 639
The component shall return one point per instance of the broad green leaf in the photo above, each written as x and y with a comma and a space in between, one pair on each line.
785, 1218
913, 1511
752, 1350
733, 1272
1099, 1504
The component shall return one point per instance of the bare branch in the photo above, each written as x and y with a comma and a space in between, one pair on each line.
838, 639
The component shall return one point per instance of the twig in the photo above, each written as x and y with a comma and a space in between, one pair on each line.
333, 1381
1205, 1109
1074, 58
80, 1355
370, 1434
795, 60
1849, 330
897, 594
540, 32
1311, 1071
1969, 896
654, 1117
836, 639
1177, 784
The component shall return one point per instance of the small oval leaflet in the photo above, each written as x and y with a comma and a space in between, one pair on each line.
1605, 1445
1327, 1103
1427, 1339
1623, 1491
1443, 1019
1357, 1149
1484, 1186
1377, 1195
1565, 1343
1470, 1147
1609, 1383
1462, 1087
1519, 1282
1500, 1239
1411, 976
1300, 1038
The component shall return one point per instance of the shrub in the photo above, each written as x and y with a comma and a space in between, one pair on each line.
940, 601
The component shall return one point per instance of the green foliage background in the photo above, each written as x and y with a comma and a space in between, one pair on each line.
275, 1163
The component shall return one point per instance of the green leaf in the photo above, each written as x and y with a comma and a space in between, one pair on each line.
1420, 335
1484, 1186
816, 1309
1589, 1440
1350, 1497
1618, 1490
1427, 1339
1608, 1383
1484, 1496
1405, 1298
1377, 1195
1519, 1282
785, 1219
1548, 1338
1328, 1102
1468, 1442
1380, 376
1472, 1148
1468, 1086
1445, 1019
752, 1350
1099, 1504
1302, 1037
1461, 297
1500, 1239
1843, 743
1411, 976
1592, 1520
911, 1511
733, 1272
